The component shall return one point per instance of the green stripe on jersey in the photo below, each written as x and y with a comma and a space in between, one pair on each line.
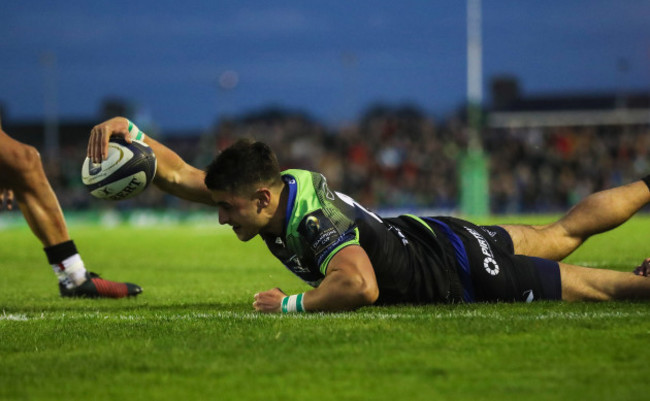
424, 223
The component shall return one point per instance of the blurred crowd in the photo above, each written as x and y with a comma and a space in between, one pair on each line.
400, 158
547, 170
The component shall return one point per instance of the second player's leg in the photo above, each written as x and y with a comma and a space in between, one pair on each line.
597, 213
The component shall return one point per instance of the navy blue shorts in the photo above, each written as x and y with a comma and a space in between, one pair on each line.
493, 272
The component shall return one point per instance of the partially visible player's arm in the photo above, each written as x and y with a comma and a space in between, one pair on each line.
349, 284
173, 174
178, 178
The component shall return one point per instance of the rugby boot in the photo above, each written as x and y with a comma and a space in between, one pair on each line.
97, 287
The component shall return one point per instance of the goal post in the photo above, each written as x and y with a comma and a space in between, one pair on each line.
473, 163
474, 183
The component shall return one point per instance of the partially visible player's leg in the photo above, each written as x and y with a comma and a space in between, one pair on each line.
22, 172
597, 213
589, 284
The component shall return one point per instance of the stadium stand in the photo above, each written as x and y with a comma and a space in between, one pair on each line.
546, 152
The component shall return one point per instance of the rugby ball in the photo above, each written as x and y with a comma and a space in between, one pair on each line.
127, 171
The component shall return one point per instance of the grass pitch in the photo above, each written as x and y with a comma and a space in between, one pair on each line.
193, 334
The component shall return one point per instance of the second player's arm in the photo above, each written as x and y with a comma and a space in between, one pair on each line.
173, 174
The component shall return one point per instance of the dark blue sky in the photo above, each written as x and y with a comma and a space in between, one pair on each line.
329, 58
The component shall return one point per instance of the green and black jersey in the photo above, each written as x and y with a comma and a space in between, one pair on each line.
412, 262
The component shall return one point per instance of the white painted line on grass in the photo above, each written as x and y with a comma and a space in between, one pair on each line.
14, 317
499, 316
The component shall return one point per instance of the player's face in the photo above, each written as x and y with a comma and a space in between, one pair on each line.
241, 212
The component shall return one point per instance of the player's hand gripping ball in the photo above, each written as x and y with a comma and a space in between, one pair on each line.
127, 171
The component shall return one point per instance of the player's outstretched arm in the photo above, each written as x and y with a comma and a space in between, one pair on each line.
173, 174
349, 284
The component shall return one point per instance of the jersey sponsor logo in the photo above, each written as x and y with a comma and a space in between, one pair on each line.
489, 264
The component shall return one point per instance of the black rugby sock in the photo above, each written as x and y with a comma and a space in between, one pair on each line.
66, 263
57, 253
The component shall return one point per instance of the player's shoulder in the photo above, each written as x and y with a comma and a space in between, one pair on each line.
309, 189
313, 205
304, 178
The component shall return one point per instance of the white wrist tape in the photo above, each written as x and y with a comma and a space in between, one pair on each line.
293, 303
135, 133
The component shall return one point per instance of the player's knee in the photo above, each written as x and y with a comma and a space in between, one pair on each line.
559, 241
25, 159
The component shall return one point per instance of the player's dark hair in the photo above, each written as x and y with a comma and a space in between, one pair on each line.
243, 164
